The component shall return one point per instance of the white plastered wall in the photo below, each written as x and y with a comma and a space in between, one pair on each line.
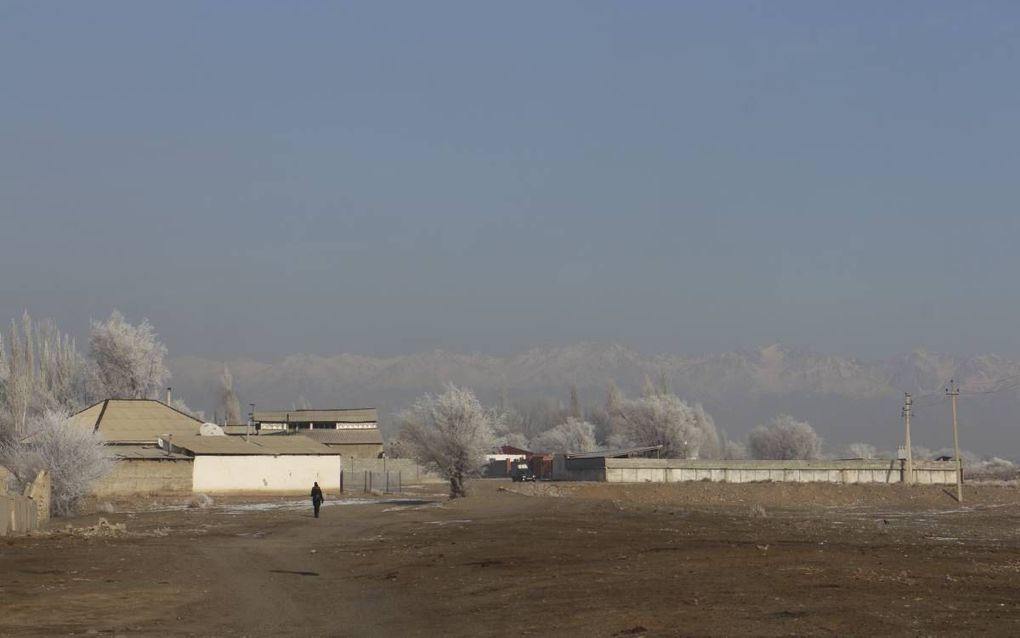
265, 473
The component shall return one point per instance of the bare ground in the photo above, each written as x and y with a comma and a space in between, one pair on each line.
545, 559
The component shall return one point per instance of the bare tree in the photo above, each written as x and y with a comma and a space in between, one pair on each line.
18, 379
449, 433
74, 456
571, 437
683, 431
575, 402
604, 418
228, 398
128, 360
785, 438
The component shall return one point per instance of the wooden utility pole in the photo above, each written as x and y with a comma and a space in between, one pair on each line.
953, 391
908, 470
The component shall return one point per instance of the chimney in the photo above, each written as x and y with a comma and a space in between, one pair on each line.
169, 395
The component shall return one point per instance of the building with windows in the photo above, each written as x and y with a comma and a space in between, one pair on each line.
352, 433
290, 420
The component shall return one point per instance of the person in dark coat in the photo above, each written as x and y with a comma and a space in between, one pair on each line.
316, 498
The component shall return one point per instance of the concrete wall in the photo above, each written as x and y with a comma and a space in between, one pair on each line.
131, 477
265, 473
20, 514
40, 491
678, 470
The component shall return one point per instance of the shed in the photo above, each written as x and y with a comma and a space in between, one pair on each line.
282, 464
364, 443
131, 428
146, 469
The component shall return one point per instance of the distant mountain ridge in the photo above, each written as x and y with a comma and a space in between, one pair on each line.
742, 386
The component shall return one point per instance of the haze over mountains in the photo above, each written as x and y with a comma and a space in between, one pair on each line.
846, 399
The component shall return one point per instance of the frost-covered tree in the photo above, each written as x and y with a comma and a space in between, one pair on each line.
734, 450
74, 456
860, 451
228, 398
128, 359
450, 433
784, 438
513, 439
42, 371
683, 431
181, 406
574, 436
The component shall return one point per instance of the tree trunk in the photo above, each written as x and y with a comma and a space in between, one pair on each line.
457, 486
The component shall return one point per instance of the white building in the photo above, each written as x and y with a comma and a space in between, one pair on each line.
281, 464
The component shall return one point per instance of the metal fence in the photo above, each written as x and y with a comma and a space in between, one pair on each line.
388, 482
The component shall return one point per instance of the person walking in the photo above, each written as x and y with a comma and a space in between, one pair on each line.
316, 498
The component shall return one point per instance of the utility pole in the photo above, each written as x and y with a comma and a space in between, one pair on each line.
908, 472
251, 422
954, 391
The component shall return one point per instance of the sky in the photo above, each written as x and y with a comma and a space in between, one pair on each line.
264, 178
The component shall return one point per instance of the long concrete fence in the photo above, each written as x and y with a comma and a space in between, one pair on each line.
679, 470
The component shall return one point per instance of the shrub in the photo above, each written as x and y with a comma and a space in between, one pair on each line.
75, 458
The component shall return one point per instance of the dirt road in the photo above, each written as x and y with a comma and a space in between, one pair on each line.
571, 560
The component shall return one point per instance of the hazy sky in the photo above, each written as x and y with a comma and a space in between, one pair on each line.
382, 177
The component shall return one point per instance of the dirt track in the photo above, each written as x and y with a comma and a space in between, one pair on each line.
549, 559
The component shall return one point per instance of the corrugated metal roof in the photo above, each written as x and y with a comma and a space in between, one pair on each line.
146, 452
615, 454
136, 420
257, 445
367, 436
360, 415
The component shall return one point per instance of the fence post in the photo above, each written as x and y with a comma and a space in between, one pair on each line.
368, 481
400, 483
341, 481
387, 479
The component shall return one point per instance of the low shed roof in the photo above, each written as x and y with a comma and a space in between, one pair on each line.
256, 446
617, 454
136, 420
367, 436
145, 453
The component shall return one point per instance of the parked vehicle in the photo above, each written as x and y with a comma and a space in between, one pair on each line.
520, 471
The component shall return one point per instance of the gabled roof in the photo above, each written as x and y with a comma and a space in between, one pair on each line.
136, 420
255, 446
366, 436
361, 415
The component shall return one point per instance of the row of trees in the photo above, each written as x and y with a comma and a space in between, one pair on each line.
44, 379
452, 432
657, 417
41, 369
